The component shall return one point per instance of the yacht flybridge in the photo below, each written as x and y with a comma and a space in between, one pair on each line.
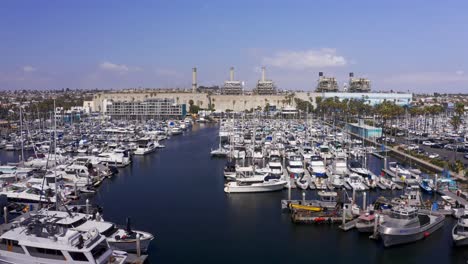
38, 239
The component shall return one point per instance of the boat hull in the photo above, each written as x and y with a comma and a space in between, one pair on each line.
270, 187
130, 246
398, 236
459, 240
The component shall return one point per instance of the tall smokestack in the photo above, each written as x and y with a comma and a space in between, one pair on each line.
320, 74
194, 80
263, 74
231, 74
351, 74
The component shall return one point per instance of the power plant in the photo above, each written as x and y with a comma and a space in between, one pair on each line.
232, 87
264, 86
326, 84
358, 85
194, 80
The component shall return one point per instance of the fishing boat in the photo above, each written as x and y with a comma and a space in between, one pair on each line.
406, 224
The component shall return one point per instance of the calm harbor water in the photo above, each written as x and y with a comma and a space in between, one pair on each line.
177, 194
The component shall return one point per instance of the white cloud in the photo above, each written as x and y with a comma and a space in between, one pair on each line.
109, 66
300, 60
427, 78
29, 68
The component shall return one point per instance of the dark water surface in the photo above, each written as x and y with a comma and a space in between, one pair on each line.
177, 194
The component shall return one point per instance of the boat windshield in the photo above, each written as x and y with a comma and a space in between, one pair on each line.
403, 215
99, 250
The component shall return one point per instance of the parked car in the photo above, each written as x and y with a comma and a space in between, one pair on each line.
420, 151
438, 145
413, 147
466, 156
433, 155
428, 143
450, 147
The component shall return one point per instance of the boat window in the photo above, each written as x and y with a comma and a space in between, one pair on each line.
100, 249
46, 253
11, 245
78, 256
111, 230
79, 222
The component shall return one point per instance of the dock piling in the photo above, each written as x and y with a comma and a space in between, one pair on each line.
5, 214
343, 220
303, 197
138, 248
87, 206
364, 201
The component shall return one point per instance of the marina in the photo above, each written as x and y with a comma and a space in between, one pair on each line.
233, 132
314, 208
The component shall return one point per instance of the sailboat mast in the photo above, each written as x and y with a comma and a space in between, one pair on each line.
21, 134
55, 156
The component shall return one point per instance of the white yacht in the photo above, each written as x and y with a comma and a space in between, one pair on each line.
337, 181
43, 160
460, 231
355, 181
28, 193
339, 165
118, 238
34, 240
317, 167
295, 168
249, 187
145, 146
117, 159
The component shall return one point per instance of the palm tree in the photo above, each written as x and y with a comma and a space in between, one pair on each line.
455, 121
459, 109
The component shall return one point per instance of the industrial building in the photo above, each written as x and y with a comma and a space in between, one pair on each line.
154, 108
232, 87
264, 86
364, 130
358, 85
326, 84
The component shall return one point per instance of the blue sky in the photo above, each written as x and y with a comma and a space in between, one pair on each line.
421, 46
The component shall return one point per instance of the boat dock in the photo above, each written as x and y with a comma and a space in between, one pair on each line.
349, 225
391, 174
316, 218
135, 259
461, 201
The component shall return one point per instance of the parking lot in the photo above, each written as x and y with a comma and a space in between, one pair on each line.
445, 154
